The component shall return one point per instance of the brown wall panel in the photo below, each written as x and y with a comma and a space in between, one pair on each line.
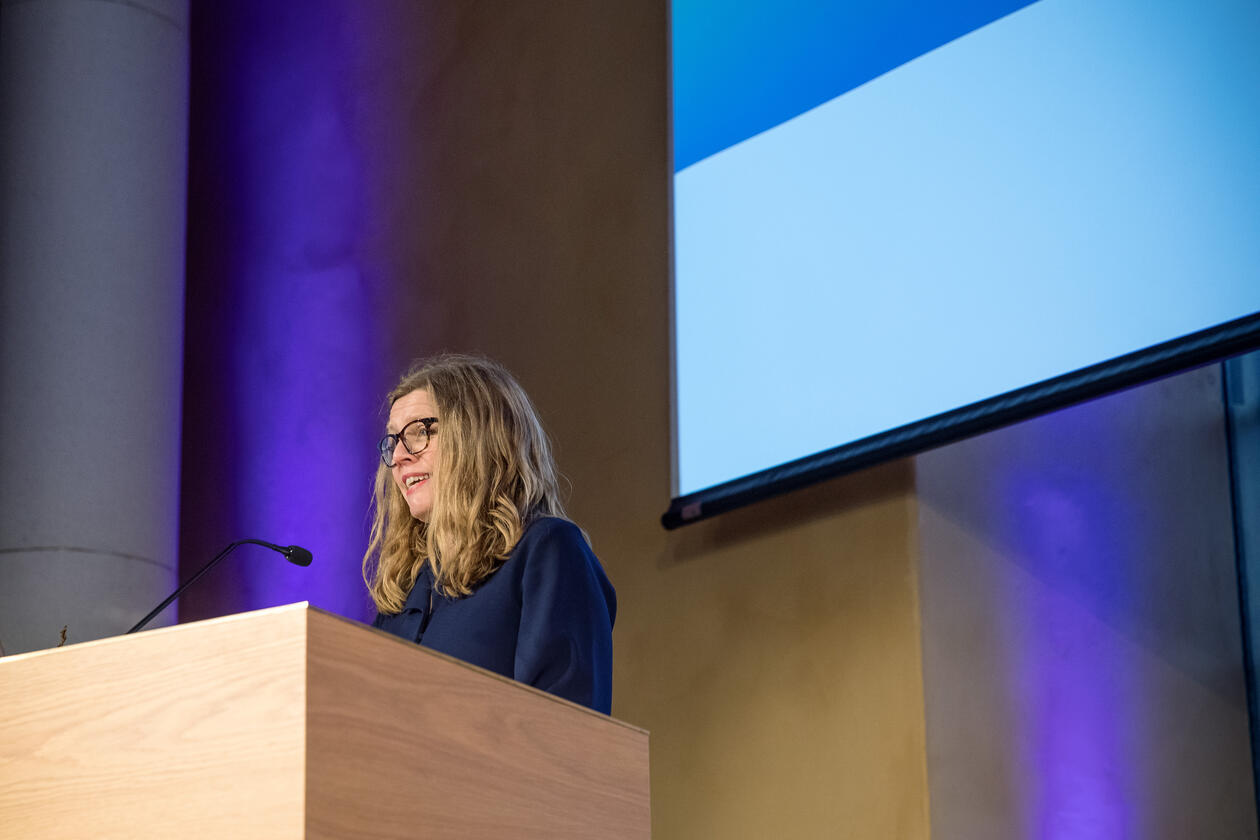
773, 653
515, 195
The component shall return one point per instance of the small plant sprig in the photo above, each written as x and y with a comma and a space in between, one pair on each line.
64, 631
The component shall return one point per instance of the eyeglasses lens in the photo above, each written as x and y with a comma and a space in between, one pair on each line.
414, 436
386, 449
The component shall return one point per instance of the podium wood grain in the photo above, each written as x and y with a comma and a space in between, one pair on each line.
293, 723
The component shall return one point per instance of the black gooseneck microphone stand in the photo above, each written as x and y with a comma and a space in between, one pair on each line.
294, 554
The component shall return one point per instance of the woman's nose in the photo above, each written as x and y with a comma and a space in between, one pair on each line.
401, 454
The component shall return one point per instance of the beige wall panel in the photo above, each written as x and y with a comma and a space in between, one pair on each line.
773, 653
516, 191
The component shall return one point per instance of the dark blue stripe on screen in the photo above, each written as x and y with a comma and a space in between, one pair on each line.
741, 67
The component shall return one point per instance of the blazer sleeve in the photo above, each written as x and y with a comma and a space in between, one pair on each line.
564, 643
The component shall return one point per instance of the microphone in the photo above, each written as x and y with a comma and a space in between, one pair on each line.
295, 554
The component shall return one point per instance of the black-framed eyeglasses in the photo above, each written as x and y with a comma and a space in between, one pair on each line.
414, 437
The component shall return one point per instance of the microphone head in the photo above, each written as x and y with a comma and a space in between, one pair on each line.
297, 555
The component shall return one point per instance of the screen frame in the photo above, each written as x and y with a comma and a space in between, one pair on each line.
1174, 356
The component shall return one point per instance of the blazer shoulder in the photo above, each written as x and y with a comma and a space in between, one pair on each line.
551, 530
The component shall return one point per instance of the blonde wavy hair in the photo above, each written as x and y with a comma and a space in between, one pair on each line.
494, 474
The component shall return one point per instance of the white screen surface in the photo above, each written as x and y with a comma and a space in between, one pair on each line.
1066, 184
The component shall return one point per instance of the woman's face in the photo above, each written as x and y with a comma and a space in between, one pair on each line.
414, 474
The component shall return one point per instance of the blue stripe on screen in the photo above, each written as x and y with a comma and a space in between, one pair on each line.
743, 66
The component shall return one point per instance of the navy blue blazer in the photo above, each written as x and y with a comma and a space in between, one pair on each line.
544, 617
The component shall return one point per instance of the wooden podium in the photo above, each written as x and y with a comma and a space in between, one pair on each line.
295, 723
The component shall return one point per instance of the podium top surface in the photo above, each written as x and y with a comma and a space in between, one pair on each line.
285, 610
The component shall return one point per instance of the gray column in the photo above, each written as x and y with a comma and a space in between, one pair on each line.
93, 162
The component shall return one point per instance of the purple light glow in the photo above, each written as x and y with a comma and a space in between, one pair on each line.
1087, 612
304, 389
1071, 686
1082, 660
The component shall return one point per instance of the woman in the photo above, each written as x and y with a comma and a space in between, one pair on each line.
470, 551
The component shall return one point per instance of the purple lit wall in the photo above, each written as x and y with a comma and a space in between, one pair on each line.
371, 183
1074, 690
1082, 648
288, 342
